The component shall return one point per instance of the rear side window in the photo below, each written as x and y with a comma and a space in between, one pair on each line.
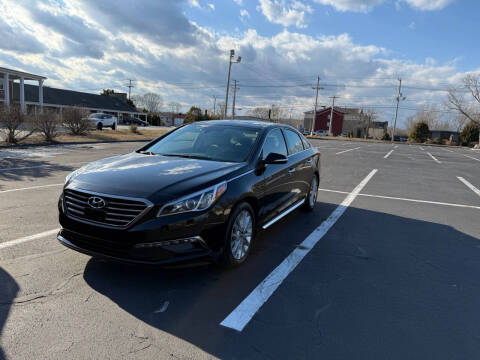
294, 143
306, 144
274, 143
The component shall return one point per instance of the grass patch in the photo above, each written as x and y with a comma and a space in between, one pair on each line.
95, 136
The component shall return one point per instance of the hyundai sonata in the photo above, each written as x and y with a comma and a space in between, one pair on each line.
199, 192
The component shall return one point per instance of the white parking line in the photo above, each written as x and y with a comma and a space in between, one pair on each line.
471, 157
29, 188
28, 238
244, 312
389, 153
470, 186
396, 146
406, 199
434, 158
341, 152
449, 150
421, 148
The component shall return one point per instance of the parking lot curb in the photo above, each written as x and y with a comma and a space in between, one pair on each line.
24, 146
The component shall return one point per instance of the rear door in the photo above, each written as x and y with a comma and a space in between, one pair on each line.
276, 188
299, 167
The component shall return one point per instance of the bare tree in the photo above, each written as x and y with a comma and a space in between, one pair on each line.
47, 123
15, 124
459, 101
76, 120
174, 107
370, 116
150, 101
276, 113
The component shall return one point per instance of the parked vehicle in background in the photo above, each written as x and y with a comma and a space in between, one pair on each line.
101, 120
200, 191
134, 120
321, 133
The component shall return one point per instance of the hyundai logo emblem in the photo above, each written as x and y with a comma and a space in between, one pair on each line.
96, 202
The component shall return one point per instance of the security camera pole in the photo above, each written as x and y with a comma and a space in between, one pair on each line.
231, 61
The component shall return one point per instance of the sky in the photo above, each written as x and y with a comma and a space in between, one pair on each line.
180, 49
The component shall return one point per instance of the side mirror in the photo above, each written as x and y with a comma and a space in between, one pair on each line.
275, 158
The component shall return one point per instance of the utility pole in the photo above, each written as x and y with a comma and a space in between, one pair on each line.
315, 108
130, 86
214, 104
235, 88
230, 62
399, 97
330, 124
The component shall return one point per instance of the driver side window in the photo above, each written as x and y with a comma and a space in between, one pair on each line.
274, 143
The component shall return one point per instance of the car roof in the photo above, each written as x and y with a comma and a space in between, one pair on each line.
245, 123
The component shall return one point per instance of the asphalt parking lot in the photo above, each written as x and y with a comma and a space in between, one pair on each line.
386, 267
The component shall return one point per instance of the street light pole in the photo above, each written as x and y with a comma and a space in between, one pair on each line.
230, 62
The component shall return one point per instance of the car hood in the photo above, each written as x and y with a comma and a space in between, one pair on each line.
154, 177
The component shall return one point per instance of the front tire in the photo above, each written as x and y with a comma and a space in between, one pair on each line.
311, 197
239, 235
114, 126
100, 126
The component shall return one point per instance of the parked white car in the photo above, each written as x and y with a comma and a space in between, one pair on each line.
321, 132
102, 120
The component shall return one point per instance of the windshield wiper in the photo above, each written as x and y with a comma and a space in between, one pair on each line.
189, 156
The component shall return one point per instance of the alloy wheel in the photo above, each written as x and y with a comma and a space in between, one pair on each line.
241, 235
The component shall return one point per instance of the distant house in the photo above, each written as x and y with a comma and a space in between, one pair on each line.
346, 121
172, 119
444, 135
33, 97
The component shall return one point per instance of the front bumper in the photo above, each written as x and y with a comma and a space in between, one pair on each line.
149, 256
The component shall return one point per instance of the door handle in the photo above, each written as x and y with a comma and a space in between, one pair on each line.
291, 170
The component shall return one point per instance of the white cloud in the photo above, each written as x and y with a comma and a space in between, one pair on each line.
211, 6
429, 4
244, 13
412, 25
367, 5
351, 5
279, 12
238, 2
194, 3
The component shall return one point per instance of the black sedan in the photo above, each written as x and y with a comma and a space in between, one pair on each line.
201, 191
133, 120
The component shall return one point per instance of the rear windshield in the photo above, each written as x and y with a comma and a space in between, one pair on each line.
210, 142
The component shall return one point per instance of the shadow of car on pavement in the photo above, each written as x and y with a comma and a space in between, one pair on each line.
376, 286
8, 292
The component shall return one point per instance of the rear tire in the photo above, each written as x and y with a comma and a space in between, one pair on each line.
311, 197
100, 126
239, 235
114, 126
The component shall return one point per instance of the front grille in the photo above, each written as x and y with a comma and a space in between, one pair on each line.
117, 212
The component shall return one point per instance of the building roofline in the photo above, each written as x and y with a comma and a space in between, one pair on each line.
25, 75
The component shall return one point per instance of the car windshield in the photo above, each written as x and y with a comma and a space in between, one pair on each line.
96, 116
209, 142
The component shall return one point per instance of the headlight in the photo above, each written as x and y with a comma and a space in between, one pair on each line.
195, 202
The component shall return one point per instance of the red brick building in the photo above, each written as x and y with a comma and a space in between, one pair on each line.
322, 120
